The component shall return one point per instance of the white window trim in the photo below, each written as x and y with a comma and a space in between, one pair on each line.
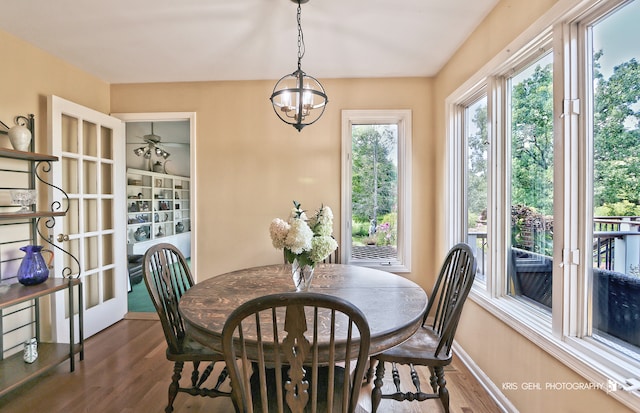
402, 118
561, 335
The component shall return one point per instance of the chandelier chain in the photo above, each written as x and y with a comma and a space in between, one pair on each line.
299, 99
301, 48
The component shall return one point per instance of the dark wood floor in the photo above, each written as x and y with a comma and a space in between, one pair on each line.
125, 371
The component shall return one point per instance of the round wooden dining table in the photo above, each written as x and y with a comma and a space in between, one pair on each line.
392, 304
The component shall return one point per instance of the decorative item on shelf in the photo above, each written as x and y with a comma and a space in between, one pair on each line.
158, 167
156, 217
30, 350
159, 182
20, 135
24, 197
299, 99
160, 232
141, 234
305, 242
33, 268
179, 228
134, 207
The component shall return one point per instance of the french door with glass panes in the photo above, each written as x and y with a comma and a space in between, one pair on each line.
91, 150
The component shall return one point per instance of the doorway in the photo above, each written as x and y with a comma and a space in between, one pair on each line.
159, 191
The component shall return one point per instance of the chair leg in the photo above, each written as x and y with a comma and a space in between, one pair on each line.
376, 393
443, 392
433, 380
175, 383
369, 376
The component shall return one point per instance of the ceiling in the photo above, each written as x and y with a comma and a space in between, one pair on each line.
124, 41
169, 132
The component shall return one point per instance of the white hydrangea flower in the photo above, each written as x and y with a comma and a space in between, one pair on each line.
279, 230
299, 237
321, 247
322, 221
308, 240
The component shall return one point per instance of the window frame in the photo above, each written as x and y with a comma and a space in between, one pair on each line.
459, 169
563, 333
402, 118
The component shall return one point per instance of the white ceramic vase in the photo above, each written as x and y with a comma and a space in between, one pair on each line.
20, 138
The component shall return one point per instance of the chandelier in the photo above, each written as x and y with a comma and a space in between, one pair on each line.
299, 99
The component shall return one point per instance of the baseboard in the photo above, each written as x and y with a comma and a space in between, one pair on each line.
494, 391
141, 316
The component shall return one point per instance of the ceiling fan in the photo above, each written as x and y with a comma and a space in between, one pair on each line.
153, 146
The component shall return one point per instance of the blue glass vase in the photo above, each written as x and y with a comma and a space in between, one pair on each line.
33, 268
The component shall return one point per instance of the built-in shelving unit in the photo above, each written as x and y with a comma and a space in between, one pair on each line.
158, 210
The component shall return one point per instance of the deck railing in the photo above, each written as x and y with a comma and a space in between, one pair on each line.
616, 245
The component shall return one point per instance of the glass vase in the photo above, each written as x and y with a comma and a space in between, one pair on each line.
33, 268
302, 275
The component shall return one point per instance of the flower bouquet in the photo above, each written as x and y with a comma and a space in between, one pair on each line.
305, 241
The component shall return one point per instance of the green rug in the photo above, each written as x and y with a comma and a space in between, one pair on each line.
138, 298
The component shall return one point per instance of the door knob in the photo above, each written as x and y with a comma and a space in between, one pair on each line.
62, 237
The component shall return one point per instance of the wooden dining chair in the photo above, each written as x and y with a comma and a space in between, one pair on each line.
430, 345
284, 353
168, 277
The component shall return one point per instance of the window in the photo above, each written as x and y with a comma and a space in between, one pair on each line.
476, 132
530, 182
614, 117
376, 148
562, 179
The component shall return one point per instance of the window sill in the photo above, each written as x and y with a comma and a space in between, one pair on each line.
391, 267
600, 367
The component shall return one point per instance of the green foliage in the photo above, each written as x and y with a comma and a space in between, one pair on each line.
473, 219
532, 141
617, 135
618, 209
360, 228
477, 174
531, 230
374, 175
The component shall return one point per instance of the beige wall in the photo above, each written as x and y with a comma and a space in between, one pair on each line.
501, 352
28, 75
250, 165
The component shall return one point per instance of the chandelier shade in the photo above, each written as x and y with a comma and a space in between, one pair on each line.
299, 99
